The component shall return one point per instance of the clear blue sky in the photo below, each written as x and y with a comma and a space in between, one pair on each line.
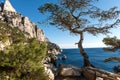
63, 39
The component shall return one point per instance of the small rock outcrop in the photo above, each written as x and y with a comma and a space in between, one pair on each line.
53, 48
70, 71
50, 61
98, 74
50, 70
64, 57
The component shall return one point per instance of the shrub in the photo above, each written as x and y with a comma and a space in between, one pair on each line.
23, 62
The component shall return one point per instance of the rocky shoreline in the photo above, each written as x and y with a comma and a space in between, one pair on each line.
64, 72
70, 72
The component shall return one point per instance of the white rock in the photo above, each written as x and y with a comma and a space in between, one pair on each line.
98, 78
70, 71
8, 6
118, 78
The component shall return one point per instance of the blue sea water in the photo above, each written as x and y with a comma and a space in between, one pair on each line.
96, 57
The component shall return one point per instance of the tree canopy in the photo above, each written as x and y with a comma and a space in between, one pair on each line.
113, 44
80, 16
77, 16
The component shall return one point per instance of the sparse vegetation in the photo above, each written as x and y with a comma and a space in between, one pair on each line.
113, 45
22, 59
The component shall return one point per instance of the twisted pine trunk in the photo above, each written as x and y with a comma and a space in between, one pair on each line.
83, 53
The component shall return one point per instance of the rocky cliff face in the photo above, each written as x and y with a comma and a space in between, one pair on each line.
9, 15
10, 19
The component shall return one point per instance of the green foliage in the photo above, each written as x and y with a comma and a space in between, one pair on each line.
7, 32
111, 59
112, 42
116, 69
23, 61
4, 38
114, 45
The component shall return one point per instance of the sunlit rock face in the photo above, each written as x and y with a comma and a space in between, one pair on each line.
8, 7
9, 15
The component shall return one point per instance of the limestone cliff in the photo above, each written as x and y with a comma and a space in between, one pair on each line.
15, 27
9, 15
8, 7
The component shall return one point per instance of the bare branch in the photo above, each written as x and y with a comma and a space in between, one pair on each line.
94, 30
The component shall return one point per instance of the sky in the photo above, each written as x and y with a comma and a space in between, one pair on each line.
64, 39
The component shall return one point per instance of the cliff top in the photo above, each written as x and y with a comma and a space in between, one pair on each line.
8, 7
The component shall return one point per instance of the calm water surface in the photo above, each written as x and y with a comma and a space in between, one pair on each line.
96, 56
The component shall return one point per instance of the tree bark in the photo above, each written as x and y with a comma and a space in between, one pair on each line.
83, 53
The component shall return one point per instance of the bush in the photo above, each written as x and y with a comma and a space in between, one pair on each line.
23, 62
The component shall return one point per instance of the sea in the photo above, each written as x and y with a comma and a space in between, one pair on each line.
96, 57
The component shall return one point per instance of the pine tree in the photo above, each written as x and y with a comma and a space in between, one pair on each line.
77, 17
113, 45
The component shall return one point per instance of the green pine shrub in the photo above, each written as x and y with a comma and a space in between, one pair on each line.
23, 62
22, 59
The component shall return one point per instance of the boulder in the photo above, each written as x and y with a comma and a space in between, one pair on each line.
91, 73
69, 71
64, 57
50, 70
99, 78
